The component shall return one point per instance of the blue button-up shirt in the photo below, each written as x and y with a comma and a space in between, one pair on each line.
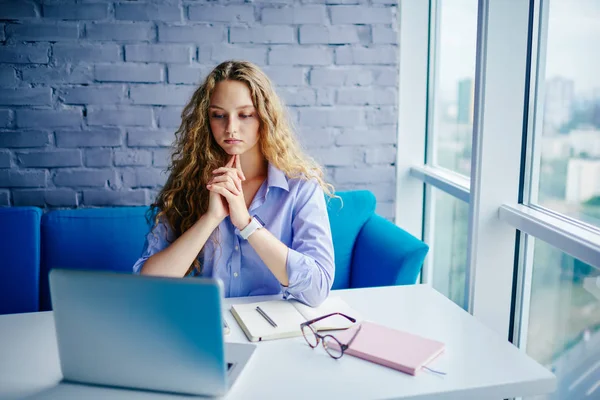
294, 211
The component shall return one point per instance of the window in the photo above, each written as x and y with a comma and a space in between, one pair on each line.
450, 221
564, 321
454, 87
569, 132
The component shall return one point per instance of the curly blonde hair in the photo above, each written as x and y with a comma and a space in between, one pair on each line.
184, 198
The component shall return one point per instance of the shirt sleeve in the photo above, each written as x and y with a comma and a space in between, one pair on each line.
157, 240
310, 262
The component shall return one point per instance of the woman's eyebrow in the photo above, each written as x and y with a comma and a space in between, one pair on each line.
239, 108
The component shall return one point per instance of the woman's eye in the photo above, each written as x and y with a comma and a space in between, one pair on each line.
218, 116
246, 115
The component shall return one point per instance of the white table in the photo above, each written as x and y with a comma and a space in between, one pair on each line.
479, 364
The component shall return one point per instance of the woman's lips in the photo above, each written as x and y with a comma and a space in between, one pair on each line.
232, 141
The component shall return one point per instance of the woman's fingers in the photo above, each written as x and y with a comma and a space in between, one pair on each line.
227, 179
234, 172
230, 162
221, 190
238, 166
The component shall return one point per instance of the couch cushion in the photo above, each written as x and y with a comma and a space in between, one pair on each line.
346, 218
19, 259
96, 238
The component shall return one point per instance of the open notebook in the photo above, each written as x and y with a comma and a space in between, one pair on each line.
392, 348
288, 315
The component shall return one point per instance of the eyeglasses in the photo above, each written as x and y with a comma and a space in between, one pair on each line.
331, 344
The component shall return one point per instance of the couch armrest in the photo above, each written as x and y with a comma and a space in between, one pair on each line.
385, 255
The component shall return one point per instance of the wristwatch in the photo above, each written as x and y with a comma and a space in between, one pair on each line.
254, 225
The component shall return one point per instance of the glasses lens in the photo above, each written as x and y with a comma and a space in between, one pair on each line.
332, 346
309, 336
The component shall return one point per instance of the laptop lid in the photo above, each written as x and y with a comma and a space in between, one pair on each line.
142, 332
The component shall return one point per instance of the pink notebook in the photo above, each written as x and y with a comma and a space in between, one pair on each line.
392, 348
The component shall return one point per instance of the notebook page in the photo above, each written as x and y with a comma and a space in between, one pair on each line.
283, 313
330, 305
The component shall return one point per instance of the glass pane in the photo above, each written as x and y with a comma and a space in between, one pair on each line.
564, 322
449, 248
454, 89
569, 174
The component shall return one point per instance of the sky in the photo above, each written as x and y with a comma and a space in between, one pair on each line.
573, 44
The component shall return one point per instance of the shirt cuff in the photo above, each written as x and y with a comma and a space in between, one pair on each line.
299, 270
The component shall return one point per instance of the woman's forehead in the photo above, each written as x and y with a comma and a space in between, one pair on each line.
231, 94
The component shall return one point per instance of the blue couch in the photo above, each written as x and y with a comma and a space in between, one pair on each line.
369, 250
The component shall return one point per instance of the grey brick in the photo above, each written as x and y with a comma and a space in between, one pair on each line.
325, 96
98, 137
24, 138
140, 137
76, 53
161, 157
85, 178
11, 178
362, 15
17, 9
344, 1
168, 117
139, 31
168, 95
5, 158
42, 32
392, 2
384, 34
255, 55
300, 56
340, 77
262, 34
128, 72
8, 77
381, 155
191, 34
366, 96
187, 74
286, 76
43, 197
48, 118
107, 197
363, 55
221, 13
132, 157
293, 96
4, 198
75, 11
385, 76
26, 96
98, 158
124, 116
386, 209
316, 14
313, 34
319, 117
367, 136
366, 175
382, 116
25, 54
50, 158
158, 53
338, 156
317, 137
59, 74
148, 12
5, 118
92, 95
144, 177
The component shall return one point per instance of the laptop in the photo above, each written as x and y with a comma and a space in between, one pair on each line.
144, 332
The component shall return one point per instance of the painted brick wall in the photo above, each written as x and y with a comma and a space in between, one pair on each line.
91, 91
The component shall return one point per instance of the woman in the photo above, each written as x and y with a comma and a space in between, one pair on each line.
242, 203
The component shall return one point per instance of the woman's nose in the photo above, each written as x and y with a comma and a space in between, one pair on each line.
232, 124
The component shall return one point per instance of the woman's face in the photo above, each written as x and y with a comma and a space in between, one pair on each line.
233, 119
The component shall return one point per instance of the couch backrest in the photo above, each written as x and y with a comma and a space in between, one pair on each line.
19, 259
112, 238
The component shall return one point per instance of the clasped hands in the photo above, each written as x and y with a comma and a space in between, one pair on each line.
226, 194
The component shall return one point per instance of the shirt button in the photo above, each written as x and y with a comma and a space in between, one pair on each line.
235, 274
237, 247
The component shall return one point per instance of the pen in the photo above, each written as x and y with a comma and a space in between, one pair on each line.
265, 316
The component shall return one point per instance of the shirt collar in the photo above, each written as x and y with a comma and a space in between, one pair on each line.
276, 178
